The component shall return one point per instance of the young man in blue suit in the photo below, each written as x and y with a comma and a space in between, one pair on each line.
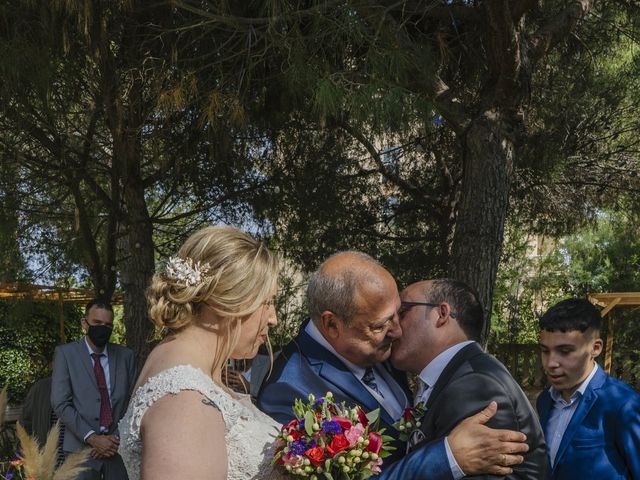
344, 348
591, 421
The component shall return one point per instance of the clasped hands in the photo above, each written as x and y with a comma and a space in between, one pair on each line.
103, 446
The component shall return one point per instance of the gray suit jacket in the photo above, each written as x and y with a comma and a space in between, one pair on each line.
470, 381
74, 390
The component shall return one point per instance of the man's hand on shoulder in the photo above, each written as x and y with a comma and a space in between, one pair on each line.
479, 449
104, 446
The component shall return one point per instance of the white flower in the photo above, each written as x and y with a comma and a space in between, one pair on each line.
186, 270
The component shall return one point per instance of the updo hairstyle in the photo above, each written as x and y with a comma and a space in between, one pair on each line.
239, 274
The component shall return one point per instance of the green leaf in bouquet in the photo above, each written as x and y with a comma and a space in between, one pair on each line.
385, 454
373, 415
327, 475
387, 438
309, 420
365, 474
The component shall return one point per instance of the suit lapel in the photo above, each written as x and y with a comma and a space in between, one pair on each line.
544, 408
452, 367
85, 360
586, 403
445, 377
113, 369
331, 369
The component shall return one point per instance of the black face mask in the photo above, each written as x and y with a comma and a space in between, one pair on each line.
99, 334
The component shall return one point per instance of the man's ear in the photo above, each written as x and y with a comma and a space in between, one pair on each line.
330, 324
444, 314
596, 347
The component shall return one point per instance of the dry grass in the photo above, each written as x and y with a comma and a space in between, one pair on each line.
40, 463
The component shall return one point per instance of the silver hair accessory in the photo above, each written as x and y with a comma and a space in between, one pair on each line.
187, 271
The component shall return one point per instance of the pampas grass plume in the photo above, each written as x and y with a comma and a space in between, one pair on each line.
41, 463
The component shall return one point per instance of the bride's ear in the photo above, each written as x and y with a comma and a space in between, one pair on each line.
330, 324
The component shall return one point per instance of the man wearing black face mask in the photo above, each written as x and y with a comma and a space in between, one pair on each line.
91, 385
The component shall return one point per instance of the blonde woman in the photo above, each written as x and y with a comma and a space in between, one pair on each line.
216, 300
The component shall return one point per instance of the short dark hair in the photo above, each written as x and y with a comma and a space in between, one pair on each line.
571, 314
96, 302
467, 309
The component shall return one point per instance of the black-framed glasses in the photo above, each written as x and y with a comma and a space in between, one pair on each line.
405, 306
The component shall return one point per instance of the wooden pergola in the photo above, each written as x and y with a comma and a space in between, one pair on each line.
608, 301
60, 295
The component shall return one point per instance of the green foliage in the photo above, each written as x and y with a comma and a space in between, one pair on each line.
536, 272
29, 333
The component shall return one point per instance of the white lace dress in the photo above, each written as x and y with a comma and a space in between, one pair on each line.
249, 433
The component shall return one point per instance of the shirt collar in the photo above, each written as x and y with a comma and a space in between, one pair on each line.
313, 331
556, 396
434, 368
91, 352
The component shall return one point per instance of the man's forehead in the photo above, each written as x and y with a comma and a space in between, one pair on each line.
558, 337
101, 313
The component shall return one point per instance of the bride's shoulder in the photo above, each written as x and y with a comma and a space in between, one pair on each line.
177, 378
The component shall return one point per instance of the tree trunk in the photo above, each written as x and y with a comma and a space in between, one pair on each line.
136, 269
477, 241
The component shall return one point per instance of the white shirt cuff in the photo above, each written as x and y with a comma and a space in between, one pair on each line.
456, 471
91, 432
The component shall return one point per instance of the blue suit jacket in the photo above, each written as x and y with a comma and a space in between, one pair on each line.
305, 367
602, 439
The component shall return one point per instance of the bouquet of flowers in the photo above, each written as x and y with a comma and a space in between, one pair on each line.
332, 441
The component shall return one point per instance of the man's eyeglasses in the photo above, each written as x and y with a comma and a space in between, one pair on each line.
405, 306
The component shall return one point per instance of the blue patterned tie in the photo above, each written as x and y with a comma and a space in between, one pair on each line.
369, 379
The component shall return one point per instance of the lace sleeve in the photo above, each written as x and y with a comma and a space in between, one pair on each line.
172, 381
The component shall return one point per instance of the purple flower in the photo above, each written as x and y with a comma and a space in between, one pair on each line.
318, 404
8, 476
331, 427
298, 447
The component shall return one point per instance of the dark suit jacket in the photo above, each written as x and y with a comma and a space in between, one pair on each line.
74, 389
602, 439
470, 381
37, 413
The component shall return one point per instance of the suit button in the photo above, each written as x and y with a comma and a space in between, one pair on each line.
98, 400
96, 419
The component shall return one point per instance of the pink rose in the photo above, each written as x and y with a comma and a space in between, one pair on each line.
294, 460
375, 465
353, 434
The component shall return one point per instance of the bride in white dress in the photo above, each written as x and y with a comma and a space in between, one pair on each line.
216, 299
